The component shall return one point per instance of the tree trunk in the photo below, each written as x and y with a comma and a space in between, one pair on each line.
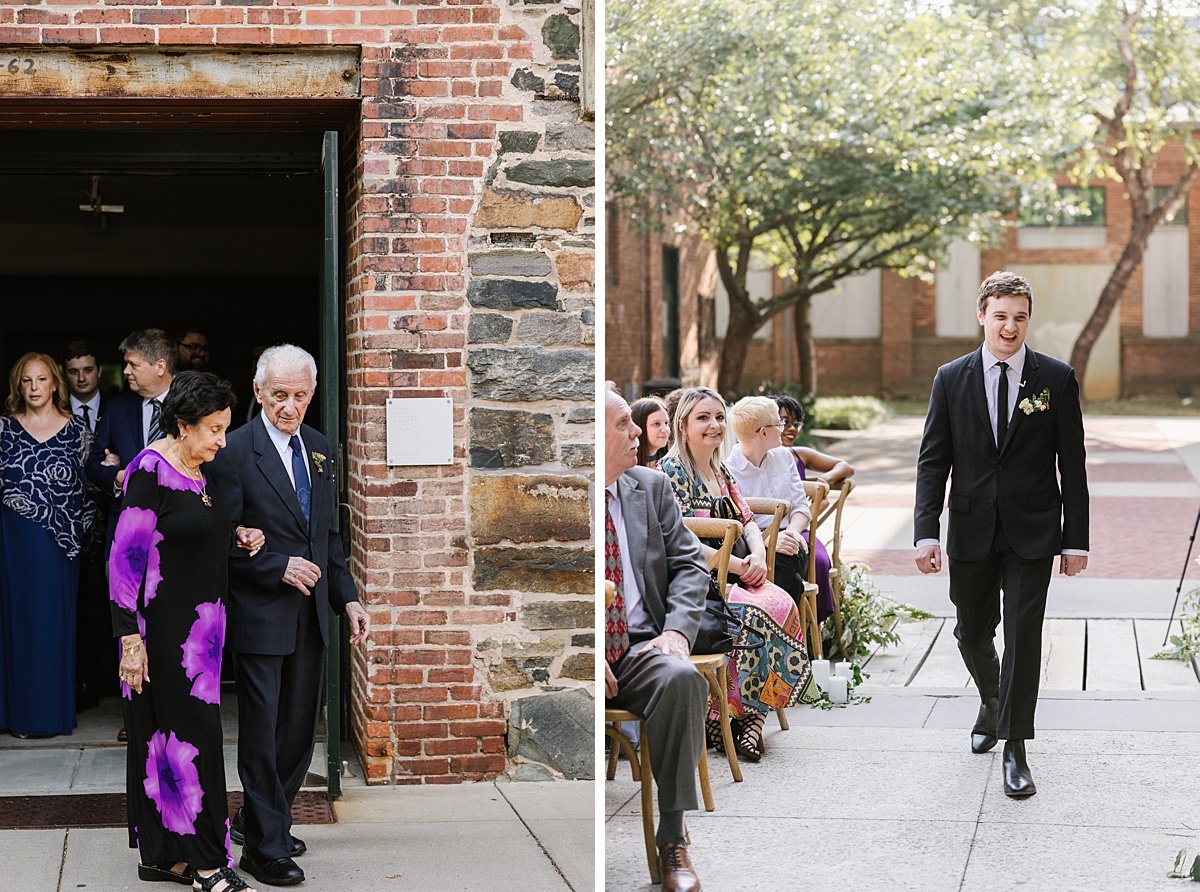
741, 329
706, 339
1110, 296
806, 350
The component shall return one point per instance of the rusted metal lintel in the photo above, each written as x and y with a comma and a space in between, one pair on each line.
180, 72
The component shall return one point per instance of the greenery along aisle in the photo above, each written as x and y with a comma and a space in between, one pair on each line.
869, 620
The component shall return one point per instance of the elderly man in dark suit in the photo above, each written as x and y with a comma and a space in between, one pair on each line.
1005, 421
661, 582
277, 474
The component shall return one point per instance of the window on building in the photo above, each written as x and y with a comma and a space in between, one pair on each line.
1085, 207
1158, 195
611, 244
670, 311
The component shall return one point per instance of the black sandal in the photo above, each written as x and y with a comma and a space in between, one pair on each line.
712, 731
155, 874
747, 736
224, 880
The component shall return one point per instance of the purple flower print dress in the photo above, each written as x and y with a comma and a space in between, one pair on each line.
167, 580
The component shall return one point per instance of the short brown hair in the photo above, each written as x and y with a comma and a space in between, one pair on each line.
152, 344
16, 400
1002, 283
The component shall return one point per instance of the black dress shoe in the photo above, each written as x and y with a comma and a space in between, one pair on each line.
276, 872
1018, 781
983, 735
237, 834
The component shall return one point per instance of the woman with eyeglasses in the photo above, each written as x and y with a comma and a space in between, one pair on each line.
776, 673
828, 468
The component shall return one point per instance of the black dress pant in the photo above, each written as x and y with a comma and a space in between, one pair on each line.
791, 572
279, 702
975, 589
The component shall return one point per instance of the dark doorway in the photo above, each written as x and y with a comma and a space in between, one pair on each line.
670, 308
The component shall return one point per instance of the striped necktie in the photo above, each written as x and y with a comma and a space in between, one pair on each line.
156, 431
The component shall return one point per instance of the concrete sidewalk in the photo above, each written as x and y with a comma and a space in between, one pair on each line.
494, 836
888, 796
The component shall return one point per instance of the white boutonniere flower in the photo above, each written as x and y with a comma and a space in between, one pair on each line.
319, 463
1037, 403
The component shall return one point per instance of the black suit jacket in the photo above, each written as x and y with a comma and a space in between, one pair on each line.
119, 430
248, 481
1020, 481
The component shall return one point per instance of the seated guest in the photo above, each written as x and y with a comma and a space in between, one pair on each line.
649, 630
763, 469
776, 673
650, 415
829, 469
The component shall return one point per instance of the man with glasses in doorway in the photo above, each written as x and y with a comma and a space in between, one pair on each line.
193, 352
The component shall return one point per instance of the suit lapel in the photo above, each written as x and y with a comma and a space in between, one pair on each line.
635, 511
271, 466
135, 418
978, 394
1028, 386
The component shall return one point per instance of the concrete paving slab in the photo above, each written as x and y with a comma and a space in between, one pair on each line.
423, 805
803, 737
101, 770
38, 771
36, 854
1100, 790
1064, 711
562, 818
888, 708
562, 799
1073, 859
752, 853
571, 845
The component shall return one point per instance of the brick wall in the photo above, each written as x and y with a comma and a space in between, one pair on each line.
468, 159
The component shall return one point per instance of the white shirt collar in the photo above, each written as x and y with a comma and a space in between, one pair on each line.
1015, 364
93, 403
281, 440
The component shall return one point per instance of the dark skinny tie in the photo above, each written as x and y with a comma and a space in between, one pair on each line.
156, 431
87, 415
1002, 406
300, 472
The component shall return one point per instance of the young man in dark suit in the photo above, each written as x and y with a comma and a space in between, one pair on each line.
276, 474
1005, 422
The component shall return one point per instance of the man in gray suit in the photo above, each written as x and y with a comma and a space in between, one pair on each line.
661, 582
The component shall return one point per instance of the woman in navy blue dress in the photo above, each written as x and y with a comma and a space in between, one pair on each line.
43, 518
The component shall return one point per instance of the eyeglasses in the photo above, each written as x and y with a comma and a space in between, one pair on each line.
781, 425
195, 348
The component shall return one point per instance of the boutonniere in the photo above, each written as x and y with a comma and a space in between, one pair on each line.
319, 463
1037, 403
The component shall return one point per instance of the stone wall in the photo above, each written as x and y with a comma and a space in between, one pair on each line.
530, 356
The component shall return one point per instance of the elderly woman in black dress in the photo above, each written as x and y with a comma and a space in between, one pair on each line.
167, 582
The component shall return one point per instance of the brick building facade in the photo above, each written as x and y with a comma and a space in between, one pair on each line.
466, 230
896, 331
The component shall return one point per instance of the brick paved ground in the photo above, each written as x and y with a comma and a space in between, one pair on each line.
1144, 476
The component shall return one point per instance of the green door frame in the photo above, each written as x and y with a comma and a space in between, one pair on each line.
330, 393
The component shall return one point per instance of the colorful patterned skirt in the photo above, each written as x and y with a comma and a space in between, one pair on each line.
777, 672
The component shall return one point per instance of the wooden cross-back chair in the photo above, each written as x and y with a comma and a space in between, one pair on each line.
816, 490
837, 505
712, 666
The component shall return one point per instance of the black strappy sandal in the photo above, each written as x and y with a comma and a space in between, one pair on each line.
712, 731
224, 880
154, 874
747, 736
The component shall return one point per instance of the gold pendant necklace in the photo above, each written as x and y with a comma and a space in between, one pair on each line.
197, 475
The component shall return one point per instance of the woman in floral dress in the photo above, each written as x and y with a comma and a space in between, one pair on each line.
167, 580
776, 673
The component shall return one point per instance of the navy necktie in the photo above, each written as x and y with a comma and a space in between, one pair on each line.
87, 415
156, 431
300, 472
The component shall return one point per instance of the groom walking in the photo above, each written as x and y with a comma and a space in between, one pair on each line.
1003, 419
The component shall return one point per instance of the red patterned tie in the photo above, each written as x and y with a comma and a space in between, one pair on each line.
616, 623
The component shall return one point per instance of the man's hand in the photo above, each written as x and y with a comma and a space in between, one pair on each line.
610, 682
670, 642
754, 570
360, 622
1072, 564
929, 558
789, 542
302, 574
111, 460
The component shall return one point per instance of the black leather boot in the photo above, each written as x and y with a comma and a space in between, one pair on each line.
983, 735
1018, 781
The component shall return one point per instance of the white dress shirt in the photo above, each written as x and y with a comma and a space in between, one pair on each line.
991, 383
637, 617
93, 409
775, 478
282, 443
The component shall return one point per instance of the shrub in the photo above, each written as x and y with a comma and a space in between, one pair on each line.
847, 413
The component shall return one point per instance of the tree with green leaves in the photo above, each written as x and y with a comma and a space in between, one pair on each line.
829, 137
1133, 67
